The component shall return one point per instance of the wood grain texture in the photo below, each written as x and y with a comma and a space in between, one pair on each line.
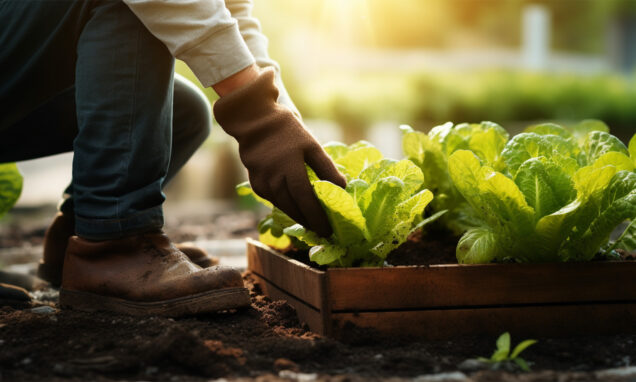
445, 301
521, 322
295, 278
358, 289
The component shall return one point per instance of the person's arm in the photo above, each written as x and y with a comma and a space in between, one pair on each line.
200, 32
273, 143
257, 43
274, 146
236, 81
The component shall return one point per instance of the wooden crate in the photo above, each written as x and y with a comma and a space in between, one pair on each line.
445, 301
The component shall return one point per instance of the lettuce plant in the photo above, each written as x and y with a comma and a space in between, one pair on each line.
383, 203
431, 152
503, 353
551, 195
10, 186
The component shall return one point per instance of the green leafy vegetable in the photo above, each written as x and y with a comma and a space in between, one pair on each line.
632, 149
431, 152
551, 200
627, 239
383, 203
503, 355
10, 186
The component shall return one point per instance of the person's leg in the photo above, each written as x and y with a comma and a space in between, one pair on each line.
192, 121
124, 112
37, 75
123, 101
37, 91
191, 126
120, 260
122, 77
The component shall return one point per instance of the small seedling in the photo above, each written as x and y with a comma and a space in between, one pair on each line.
502, 354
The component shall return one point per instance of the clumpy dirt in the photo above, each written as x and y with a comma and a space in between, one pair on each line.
264, 342
436, 247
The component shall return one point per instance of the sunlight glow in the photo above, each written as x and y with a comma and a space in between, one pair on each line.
348, 20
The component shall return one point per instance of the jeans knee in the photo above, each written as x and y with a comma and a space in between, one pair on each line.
192, 112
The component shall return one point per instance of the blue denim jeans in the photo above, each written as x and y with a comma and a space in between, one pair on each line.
87, 76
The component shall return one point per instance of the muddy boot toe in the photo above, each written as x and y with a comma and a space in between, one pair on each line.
145, 275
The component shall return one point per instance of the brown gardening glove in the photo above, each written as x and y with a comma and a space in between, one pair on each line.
274, 146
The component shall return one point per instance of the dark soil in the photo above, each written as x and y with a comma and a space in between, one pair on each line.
16, 236
264, 342
261, 340
425, 249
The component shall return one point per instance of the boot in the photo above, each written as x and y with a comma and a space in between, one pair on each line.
145, 275
56, 240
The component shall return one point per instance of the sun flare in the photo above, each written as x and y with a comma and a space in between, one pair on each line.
348, 19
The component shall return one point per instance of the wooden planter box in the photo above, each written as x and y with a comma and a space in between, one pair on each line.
445, 301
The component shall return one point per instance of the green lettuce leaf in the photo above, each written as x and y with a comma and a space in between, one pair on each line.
545, 186
407, 217
327, 254
383, 203
345, 217
632, 149
572, 196
277, 242
616, 159
489, 191
617, 204
10, 186
583, 128
430, 152
478, 246
598, 143
357, 159
244, 189
549, 129
405, 170
531, 145
627, 240
487, 145
380, 210
336, 150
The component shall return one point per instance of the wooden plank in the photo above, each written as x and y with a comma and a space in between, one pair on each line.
522, 322
312, 317
360, 289
295, 278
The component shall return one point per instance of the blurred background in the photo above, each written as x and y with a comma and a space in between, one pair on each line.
359, 68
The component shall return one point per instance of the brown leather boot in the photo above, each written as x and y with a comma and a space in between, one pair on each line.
63, 227
145, 275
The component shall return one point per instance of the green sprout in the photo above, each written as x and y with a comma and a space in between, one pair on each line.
502, 354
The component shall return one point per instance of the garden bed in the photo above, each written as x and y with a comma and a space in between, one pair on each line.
451, 300
265, 342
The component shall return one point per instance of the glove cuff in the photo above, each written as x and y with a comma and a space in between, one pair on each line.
248, 103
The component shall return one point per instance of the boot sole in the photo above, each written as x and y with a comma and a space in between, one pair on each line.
205, 302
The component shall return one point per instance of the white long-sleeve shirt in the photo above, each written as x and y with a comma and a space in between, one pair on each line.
215, 38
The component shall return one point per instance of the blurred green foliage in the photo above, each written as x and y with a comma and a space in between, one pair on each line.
429, 99
357, 99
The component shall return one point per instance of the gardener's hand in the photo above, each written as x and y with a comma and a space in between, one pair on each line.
274, 147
